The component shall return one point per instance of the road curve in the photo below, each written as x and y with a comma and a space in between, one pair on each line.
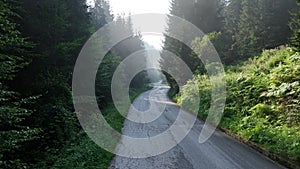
219, 152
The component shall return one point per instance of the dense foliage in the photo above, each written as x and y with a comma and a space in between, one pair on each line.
295, 27
37, 116
257, 25
263, 92
239, 29
40, 42
83, 152
15, 131
262, 101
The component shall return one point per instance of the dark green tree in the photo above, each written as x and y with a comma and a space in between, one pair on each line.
295, 27
101, 13
206, 15
248, 37
59, 29
15, 129
262, 24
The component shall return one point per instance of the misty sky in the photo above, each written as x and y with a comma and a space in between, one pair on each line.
139, 7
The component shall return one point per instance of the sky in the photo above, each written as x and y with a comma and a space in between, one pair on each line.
138, 7
142, 6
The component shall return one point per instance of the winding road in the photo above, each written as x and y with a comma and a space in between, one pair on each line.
219, 152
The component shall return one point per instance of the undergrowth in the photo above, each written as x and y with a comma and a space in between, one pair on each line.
81, 151
263, 101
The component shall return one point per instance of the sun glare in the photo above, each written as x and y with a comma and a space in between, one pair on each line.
133, 7
154, 41
140, 6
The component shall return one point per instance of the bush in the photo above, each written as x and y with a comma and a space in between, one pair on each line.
263, 98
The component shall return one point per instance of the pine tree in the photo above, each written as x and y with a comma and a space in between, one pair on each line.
206, 15
295, 27
15, 130
101, 13
232, 14
262, 24
59, 29
248, 37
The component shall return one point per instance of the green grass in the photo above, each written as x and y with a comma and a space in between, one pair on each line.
263, 101
81, 152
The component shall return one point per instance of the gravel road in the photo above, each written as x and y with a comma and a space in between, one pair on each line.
219, 152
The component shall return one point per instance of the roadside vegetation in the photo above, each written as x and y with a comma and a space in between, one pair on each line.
263, 101
260, 51
82, 152
39, 44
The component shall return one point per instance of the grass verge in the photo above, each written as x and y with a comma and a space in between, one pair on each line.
263, 102
81, 151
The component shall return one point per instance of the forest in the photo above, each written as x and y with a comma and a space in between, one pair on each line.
258, 42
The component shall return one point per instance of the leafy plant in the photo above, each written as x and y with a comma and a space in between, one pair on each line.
262, 100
